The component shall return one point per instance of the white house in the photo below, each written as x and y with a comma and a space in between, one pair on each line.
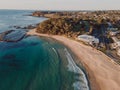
113, 33
118, 51
88, 39
116, 43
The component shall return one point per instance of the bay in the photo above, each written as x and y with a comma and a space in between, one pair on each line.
36, 63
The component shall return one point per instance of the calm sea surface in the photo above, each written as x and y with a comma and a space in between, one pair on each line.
36, 63
10, 18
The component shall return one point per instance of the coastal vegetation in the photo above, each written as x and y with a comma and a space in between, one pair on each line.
113, 15
61, 26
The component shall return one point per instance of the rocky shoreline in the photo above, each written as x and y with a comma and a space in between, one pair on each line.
12, 35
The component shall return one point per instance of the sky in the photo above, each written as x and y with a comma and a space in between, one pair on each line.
61, 4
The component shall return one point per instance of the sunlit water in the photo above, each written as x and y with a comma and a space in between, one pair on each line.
37, 63
9, 18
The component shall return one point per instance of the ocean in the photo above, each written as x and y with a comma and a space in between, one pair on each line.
10, 18
36, 63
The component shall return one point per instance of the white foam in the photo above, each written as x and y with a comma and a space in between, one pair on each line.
54, 50
82, 83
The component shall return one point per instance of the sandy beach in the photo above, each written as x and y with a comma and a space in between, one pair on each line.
103, 72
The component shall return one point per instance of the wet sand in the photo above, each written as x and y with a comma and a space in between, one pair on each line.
103, 72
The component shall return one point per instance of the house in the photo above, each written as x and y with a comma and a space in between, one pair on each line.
88, 39
115, 39
113, 33
116, 43
118, 51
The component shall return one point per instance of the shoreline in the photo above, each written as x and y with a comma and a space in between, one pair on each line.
103, 72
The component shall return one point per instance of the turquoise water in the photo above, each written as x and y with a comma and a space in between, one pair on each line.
36, 63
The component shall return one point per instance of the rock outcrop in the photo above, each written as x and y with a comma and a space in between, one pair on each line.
12, 35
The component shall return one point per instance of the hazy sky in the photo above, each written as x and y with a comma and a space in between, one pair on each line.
60, 4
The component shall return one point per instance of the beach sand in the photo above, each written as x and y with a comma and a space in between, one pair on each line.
103, 72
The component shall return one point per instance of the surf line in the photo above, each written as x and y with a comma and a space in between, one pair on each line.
82, 82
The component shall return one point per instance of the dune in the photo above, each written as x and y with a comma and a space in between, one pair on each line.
103, 72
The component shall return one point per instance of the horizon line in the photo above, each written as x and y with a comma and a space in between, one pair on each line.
66, 9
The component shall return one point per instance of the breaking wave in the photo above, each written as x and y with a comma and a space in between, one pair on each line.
82, 82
